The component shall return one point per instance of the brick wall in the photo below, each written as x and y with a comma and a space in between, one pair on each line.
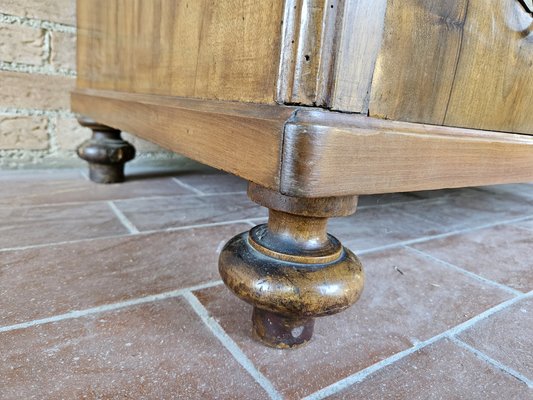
37, 71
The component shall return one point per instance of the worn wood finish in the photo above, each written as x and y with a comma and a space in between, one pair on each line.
244, 139
334, 154
375, 156
204, 49
493, 85
414, 72
358, 43
290, 269
106, 152
308, 48
461, 63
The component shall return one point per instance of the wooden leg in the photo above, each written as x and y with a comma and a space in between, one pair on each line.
290, 269
106, 152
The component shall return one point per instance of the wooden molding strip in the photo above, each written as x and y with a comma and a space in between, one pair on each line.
241, 138
308, 40
310, 152
334, 154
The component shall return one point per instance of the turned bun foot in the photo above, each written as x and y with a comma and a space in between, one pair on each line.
106, 152
290, 269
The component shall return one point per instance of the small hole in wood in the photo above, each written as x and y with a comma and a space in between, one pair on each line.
307, 57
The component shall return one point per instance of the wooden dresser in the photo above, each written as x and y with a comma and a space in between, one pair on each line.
314, 102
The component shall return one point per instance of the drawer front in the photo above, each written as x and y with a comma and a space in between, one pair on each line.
465, 63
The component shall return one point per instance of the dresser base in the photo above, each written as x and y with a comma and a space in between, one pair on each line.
305, 165
310, 152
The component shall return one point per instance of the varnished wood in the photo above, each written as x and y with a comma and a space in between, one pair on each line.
493, 85
244, 139
308, 49
204, 49
106, 152
358, 44
314, 153
414, 72
462, 63
290, 269
458, 63
334, 154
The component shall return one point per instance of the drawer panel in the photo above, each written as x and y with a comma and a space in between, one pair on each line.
466, 63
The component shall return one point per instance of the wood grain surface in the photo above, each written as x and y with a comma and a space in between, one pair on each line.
244, 139
335, 154
203, 49
414, 72
493, 86
359, 42
311, 152
464, 63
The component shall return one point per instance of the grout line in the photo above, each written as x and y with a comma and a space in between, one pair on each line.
188, 187
363, 374
465, 272
231, 346
251, 223
123, 219
35, 69
143, 233
440, 236
493, 362
35, 112
248, 221
125, 199
108, 307
36, 23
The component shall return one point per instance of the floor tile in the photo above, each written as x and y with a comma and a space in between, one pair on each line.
42, 282
407, 299
515, 189
173, 212
469, 208
210, 183
440, 371
502, 253
154, 351
383, 199
23, 226
380, 226
507, 337
70, 187
527, 224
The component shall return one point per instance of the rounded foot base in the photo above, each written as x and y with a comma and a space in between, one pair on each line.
280, 331
106, 173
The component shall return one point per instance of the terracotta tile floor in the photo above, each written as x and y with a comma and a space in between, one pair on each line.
112, 292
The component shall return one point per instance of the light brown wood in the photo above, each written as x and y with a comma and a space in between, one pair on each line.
493, 86
308, 50
315, 153
244, 139
414, 72
203, 49
359, 42
458, 63
334, 154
